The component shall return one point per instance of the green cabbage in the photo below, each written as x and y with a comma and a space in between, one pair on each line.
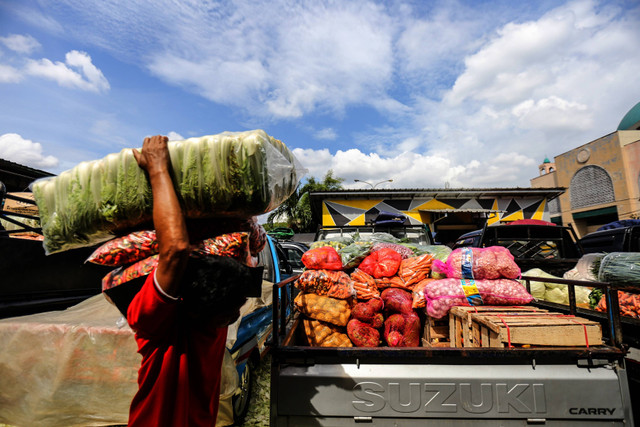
229, 174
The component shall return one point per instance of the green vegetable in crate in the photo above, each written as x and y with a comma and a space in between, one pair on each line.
239, 174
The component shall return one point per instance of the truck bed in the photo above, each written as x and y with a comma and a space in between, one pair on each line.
447, 386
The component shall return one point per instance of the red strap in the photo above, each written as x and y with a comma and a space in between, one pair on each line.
508, 331
573, 319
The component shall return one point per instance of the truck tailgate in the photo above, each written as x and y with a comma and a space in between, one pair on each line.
437, 394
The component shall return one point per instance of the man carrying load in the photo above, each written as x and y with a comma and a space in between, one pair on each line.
181, 314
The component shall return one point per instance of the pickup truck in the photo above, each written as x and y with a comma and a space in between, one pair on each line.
578, 385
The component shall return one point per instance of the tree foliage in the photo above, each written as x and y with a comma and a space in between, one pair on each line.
296, 210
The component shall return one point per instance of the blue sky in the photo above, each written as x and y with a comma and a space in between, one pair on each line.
428, 94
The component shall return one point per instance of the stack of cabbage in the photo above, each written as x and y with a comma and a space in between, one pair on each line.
231, 174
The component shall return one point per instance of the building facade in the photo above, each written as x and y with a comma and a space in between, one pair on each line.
601, 178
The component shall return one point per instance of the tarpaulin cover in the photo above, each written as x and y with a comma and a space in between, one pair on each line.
79, 367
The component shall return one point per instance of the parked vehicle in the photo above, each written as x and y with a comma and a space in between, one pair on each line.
382, 386
416, 234
622, 236
455, 384
551, 248
293, 252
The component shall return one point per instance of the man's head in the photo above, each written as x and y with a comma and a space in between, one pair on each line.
214, 288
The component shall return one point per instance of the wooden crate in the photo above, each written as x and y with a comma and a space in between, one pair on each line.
461, 325
436, 332
494, 328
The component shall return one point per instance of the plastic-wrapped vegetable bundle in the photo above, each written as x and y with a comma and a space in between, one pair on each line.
441, 295
415, 269
335, 242
126, 274
365, 285
126, 249
621, 268
229, 174
404, 251
353, 254
492, 262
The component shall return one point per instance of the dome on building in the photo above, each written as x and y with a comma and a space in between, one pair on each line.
631, 120
546, 160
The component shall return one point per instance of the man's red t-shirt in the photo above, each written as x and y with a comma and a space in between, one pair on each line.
179, 378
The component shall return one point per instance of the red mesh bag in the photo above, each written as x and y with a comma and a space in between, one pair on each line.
369, 312
402, 330
335, 284
381, 263
365, 285
322, 258
127, 249
397, 301
362, 334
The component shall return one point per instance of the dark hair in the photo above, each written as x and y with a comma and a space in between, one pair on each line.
214, 284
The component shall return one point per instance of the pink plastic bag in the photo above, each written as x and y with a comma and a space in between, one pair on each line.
493, 262
441, 295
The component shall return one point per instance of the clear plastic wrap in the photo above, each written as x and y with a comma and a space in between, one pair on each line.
555, 292
229, 174
621, 269
353, 254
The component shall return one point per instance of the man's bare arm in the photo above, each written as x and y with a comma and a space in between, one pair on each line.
168, 220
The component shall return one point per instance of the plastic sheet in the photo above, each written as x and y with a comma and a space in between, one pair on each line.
229, 174
79, 367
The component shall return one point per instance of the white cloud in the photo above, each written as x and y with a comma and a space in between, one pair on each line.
326, 134
21, 44
9, 74
77, 72
15, 148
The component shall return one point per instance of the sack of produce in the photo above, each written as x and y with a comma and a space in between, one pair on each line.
441, 295
226, 175
353, 254
629, 304
381, 263
321, 307
404, 251
322, 258
233, 245
555, 292
126, 274
334, 284
402, 330
621, 269
365, 285
127, 249
369, 312
336, 242
492, 262
397, 301
587, 268
363, 334
415, 269
391, 282
322, 334
418, 294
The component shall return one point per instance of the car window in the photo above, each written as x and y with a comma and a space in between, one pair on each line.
266, 260
294, 256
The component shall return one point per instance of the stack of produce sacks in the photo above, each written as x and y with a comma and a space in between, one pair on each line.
473, 276
362, 291
229, 175
135, 255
